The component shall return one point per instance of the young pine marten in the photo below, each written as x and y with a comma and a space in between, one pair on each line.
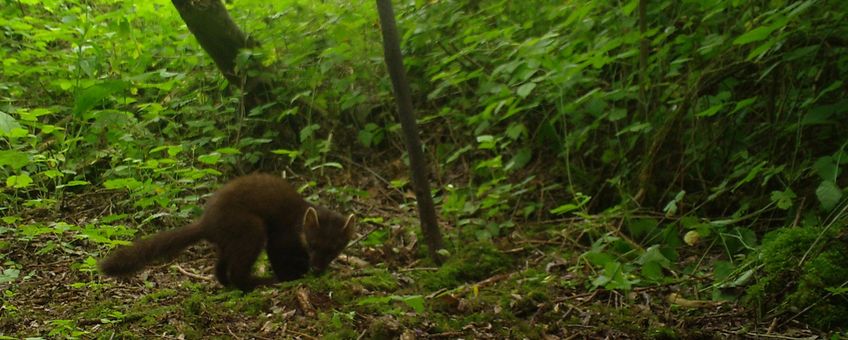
247, 214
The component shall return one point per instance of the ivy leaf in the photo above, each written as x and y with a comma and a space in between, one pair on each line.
828, 194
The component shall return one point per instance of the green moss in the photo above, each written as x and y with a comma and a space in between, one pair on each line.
788, 288
378, 279
157, 296
151, 316
477, 261
338, 325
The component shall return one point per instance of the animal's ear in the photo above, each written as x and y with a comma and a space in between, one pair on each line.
310, 219
349, 227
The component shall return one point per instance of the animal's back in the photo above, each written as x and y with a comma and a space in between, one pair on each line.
265, 196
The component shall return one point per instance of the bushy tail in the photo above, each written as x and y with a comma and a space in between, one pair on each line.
164, 245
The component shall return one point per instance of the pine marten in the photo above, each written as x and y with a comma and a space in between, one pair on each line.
247, 214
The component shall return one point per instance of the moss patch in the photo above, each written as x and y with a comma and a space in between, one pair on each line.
815, 284
477, 261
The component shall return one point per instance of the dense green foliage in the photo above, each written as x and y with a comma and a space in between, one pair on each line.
530, 115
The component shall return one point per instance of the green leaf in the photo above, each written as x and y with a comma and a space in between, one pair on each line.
598, 258
174, 150
19, 181
524, 90
635, 127
832, 290
516, 130
653, 254
722, 270
228, 151
72, 184
828, 194
91, 96
285, 152
711, 111
211, 158
761, 50
9, 275
14, 159
629, 7
366, 137
122, 183
652, 271
783, 198
416, 302
7, 123
564, 209
641, 227
617, 279
743, 104
826, 168
753, 35
456, 154
521, 158
486, 142
491, 163
52, 173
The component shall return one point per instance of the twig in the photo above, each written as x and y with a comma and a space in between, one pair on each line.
231, 333
404, 270
196, 276
354, 261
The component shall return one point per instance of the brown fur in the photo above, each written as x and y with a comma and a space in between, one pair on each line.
247, 214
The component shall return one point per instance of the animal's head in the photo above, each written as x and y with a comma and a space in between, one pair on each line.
326, 234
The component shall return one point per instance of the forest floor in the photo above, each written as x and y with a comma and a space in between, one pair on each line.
530, 284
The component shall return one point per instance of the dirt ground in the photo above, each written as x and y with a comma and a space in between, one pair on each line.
372, 292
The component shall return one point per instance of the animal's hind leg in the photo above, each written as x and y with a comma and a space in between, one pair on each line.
222, 268
240, 238
242, 252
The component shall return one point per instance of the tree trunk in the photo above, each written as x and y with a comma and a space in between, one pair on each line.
417, 162
214, 29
